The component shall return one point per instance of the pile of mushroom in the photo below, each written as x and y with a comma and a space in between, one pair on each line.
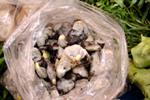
66, 54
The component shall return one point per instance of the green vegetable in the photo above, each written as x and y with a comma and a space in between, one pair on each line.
141, 53
140, 77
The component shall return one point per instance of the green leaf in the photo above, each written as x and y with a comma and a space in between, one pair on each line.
140, 4
98, 4
120, 2
146, 13
133, 2
5, 93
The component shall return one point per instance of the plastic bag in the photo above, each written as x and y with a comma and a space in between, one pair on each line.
13, 13
6, 19
18, 48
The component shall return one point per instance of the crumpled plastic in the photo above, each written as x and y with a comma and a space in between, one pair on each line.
6, 19
13, 13
105, 86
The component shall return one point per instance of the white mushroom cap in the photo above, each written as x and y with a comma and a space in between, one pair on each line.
75, 53
62, 68
36, 55
81, 70
65, 85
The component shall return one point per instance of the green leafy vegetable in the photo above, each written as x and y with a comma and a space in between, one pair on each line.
133, 2
140, 4
141, 53
140, 77
120, 2
146, 12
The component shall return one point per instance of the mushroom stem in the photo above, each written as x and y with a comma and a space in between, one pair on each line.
62, 40
40, 71
51, 72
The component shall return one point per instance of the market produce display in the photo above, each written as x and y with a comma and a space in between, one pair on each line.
133, 14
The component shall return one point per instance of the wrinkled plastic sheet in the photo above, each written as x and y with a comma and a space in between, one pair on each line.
14, 12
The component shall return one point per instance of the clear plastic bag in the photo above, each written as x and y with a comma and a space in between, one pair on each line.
6, 19
13, 13
105, 86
